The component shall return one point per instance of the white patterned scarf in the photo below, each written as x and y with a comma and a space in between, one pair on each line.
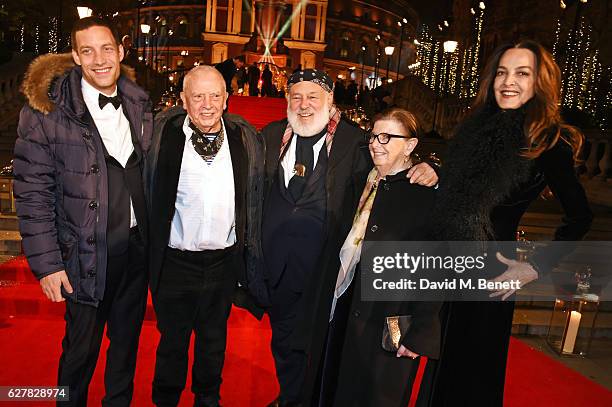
350, 253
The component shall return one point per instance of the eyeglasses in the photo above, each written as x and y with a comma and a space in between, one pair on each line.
383, 138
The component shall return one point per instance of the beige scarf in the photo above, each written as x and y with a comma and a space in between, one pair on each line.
350, 254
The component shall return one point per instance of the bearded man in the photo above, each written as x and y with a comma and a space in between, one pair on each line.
311, 160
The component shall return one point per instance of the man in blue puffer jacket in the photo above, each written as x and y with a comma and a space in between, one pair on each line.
83, 138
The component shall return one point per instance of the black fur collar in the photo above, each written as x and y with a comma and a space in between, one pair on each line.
481, 168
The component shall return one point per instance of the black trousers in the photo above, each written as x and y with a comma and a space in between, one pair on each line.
194, 295
122, 312
329, 366
290, 363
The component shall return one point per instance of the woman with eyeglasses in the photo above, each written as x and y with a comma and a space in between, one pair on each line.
384, 207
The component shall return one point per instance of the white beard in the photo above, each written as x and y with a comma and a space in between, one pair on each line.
319, 122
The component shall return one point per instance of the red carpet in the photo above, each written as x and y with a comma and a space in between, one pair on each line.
31, 329
258, 111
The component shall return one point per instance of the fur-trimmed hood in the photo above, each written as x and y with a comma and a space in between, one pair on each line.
42, 74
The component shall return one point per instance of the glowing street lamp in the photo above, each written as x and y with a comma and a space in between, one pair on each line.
363, 51
450, 46
377, 38
401, 44
145, 29
84, 12
389, 51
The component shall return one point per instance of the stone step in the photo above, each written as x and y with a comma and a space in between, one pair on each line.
9, 223
10, 242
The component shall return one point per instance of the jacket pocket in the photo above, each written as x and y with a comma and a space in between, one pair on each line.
69, 247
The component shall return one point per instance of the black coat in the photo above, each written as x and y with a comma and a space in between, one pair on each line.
348, 156
228, 70
165, 178
369, 375
484, 175
253, 75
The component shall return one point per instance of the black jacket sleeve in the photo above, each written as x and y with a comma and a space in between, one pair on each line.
557, 165
423, 335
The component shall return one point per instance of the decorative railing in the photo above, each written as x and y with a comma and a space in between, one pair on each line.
597, 167
598, 160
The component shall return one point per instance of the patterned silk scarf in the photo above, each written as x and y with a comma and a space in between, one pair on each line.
350, 253
207, 145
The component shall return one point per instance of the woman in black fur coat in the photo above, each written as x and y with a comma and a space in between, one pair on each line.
512, 146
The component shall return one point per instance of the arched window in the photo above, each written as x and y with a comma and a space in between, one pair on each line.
345, 44
310, 27
245, 21
221, 15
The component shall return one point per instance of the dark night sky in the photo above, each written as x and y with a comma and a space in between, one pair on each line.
432, 11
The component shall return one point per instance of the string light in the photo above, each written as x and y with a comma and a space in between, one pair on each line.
452, 74
604, 97
583, 75
473, 85
465, 73
557, 36
435, 80
22, 39
53, 34
423, 49
37, 36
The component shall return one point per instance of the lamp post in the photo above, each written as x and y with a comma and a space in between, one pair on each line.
137, 26
156, 39
168, 64
389, 52
449, 48
145, 28
363, 52
155, 59
377, 58
401, 44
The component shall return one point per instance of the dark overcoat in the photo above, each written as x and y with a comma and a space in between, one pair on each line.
369, 375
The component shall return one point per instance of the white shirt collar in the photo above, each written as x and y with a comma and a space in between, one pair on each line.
90, 94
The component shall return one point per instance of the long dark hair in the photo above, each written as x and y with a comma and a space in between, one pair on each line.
543, 124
